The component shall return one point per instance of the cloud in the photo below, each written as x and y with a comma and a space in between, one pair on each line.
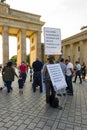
68, 15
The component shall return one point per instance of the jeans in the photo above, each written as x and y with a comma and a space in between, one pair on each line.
24, 77
69, 83
8, 85
78, 73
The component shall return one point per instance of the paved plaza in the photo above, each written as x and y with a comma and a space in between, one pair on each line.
30, 111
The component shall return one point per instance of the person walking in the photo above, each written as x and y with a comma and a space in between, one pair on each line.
23, 71
31, 73
69, 75
37, 80
63, 67
78, 72
83, 71
20, 84
8, 75
4, 84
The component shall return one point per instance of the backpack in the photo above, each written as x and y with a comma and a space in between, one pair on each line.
54, 102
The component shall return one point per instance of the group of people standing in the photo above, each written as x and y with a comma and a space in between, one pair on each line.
41, 74
68, 70
38, 70
8, 75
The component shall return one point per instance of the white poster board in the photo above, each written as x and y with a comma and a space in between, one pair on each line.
52, 40
57, 77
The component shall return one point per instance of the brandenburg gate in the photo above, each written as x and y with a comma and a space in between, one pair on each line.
22, 25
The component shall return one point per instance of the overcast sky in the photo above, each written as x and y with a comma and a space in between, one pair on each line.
68, 15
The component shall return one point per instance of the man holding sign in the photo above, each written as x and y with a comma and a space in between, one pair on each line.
47, 80
50, 87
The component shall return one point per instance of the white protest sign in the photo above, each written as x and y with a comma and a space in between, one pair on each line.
52, 40
57, 77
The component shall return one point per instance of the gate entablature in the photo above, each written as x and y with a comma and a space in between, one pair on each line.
20, 24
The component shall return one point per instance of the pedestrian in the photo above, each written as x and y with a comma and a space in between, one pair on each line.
37, 80
83, 71
20, 84
8, 74
3, 83
69, 75
63, 67
78, 72
31, 74
23, 71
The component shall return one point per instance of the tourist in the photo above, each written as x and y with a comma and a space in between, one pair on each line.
4, 84
63, 67
31, 73
78, 72
69, 75
83, 71
20, 84
8, 74
23, 71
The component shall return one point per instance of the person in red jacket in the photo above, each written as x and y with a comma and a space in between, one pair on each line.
23, 71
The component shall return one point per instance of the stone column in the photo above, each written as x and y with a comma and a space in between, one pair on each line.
71, 52
35, 46
64, 51
81, 52
38, 46
21, 46
5, 45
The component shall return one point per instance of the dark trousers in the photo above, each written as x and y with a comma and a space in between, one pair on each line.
49, 90
69, 83
37, 81
83, 75
78, 73
8, 85
24, 77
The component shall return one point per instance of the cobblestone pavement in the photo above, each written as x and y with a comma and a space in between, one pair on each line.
30, 111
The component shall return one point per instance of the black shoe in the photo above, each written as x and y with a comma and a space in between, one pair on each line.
59, 94
71, 94
47, 101
64, 94
74, 81
59, 107
1, 88
30, 80
68, 91
11, 88
80, 83
8, 91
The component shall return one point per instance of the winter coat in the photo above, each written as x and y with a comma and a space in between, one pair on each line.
8, 74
